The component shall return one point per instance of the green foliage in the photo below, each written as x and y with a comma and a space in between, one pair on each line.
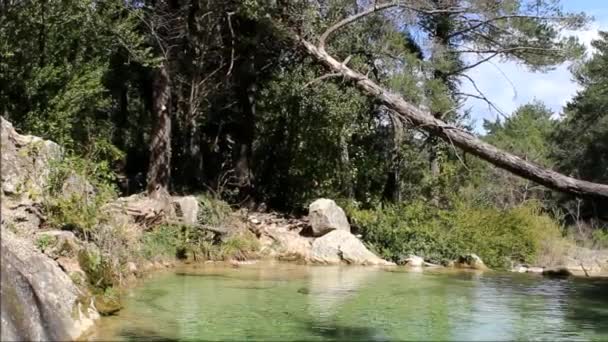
44, 241
526, 133
240, 247
60, 92
98, 268
246, 101
212, 211
600, 238
77, 190
581, 138
170, 241
497, 236
162, 242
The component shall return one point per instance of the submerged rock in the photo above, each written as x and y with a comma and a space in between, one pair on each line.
341, 246
557, 272
325, 215
107, 305
38, 300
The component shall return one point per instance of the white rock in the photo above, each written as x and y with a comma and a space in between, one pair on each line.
535, 270
340, 246
254, 220
325, 215
415, 261
472, 261
519, 269
131, 267
186, 208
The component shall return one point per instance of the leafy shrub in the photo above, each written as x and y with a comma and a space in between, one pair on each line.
498, 237
98, 268
162, 242
44, 241
212, 211
600, 238
80, 210
240, 247
169, 241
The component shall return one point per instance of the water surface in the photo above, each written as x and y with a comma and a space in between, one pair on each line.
323, 303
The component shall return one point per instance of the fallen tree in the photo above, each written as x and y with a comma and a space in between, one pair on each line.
456, 136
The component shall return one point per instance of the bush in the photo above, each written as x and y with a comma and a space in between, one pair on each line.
520, 234
162, 242
170, 241
600, 238
81, 209
240, 247
212, 211
45, 241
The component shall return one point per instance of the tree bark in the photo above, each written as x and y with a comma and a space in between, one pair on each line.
246, 128
392, 187
347, 181
454, 135
159, 171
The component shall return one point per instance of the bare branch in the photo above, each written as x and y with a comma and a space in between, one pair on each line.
506, 50
324, 77
344, 22
473, 65
377, 8
229, 14
481, 23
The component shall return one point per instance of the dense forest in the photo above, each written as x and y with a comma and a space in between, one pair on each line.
221, 96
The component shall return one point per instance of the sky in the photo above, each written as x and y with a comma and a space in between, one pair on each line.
509, 85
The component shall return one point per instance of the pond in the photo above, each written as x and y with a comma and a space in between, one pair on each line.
284, 302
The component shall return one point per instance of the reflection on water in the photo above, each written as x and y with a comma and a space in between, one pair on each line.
291, 302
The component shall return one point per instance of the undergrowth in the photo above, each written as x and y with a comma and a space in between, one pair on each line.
499, 237
76, 191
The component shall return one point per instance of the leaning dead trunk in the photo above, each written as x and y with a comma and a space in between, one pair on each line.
159, 171
454, 135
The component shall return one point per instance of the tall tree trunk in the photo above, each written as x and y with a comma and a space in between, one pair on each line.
159, 171
246, 126
347, 180
392, 187
454, 135
441, 34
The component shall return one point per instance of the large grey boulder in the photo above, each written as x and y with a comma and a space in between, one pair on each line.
325, 215
25, 167
340, 246
25, 161
39, 301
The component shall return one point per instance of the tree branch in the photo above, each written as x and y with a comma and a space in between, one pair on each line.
481, 96
319, 79
377, 8
461, 138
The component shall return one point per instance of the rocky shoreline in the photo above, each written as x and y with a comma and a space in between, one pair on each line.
44, 275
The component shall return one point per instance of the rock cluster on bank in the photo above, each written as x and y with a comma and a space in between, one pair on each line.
330, 241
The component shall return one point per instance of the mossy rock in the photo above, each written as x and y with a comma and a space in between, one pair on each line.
107, 305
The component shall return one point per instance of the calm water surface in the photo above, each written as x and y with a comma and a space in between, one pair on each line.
292, 302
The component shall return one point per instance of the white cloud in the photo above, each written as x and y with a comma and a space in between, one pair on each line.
509, 85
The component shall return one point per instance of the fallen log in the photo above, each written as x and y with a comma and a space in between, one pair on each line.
456, 136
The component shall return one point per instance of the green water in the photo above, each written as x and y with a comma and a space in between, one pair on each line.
291, 302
